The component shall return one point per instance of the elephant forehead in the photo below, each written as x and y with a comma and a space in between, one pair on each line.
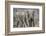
20, 13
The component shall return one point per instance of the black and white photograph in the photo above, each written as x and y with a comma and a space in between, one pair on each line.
25, 17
